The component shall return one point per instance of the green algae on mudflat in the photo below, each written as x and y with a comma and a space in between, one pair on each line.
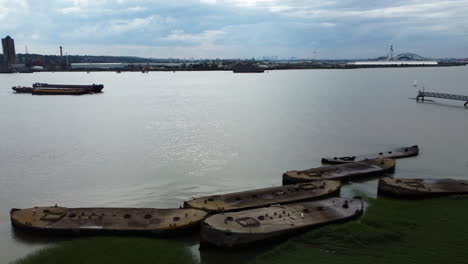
391, 231
111, 250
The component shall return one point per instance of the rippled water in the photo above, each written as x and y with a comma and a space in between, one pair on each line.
157, 139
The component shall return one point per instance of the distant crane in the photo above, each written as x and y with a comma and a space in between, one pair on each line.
315, 54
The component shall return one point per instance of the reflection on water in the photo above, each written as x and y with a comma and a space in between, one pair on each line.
157, 139
35, 239
235, 256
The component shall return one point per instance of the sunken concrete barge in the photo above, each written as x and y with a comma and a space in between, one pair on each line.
421, 188
266, 196
239, 229
347, 171
99, 221
396, 153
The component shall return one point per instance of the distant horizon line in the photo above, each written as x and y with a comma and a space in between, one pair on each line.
264, 58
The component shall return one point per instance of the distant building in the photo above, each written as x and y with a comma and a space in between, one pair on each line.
9, 54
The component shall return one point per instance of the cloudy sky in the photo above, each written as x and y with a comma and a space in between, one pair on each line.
238, 28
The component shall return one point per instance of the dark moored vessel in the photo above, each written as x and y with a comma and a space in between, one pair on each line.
22, 89
95, 88
60, 91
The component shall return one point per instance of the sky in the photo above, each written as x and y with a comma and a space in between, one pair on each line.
322, 29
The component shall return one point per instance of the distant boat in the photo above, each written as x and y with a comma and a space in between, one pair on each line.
22, 89
95, 88
60, 91
242, 69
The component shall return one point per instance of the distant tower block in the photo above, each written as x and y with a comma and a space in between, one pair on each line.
9, 54
61, 53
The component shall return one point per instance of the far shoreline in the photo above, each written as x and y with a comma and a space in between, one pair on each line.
283, 67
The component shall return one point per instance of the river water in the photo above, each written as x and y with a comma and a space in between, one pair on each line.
157, 139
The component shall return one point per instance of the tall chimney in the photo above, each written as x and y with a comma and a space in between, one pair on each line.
61, 54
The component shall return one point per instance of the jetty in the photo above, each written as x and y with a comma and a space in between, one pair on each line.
423, 94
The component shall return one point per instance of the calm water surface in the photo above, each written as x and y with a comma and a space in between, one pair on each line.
157, 139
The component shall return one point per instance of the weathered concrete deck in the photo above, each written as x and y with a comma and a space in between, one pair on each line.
252, 226
91, 221
421, 188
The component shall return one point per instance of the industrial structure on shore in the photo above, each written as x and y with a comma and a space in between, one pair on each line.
26, 62
404, 59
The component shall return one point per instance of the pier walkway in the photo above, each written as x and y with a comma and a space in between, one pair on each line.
423, 94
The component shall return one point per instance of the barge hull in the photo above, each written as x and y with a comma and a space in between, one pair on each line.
397, 153
240, 229
57, 91
96, 88
266, 196
98, 221
348, 171
421, 188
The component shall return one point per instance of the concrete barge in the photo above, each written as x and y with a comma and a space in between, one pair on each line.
421, 188
341, 171
237, 229
96, 221
396, 153
265, 196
